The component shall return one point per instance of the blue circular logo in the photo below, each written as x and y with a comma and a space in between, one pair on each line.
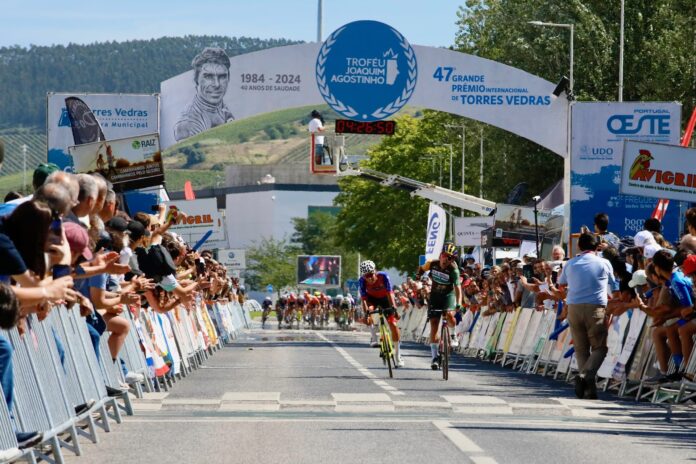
366, 70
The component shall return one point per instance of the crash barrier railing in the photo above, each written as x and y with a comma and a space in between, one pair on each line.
536, 342
60, 386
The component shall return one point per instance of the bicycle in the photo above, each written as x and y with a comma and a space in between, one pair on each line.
444, 347
386, 347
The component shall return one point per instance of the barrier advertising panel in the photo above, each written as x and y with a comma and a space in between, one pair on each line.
658, 171
133, 162
119, 115
319, 270
232, 258
599, 131
468, 229
201, 217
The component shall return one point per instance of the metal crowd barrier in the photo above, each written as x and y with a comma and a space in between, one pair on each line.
56, 371
535, 342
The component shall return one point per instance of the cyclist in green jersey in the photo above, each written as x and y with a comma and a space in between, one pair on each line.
445, 295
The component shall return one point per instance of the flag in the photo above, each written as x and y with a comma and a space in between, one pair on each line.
84, 124
437, 228
188, 191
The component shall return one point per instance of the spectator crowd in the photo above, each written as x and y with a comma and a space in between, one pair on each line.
70, 243
607, 277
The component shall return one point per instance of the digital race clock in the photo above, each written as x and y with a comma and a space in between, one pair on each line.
346, 126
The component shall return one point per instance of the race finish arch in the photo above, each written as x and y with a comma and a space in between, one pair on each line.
367, 71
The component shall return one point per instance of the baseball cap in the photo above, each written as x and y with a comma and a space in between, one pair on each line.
42, 171
689, 265
650, 250
78, 239
642, 238
118, 224
531, 254
638, 278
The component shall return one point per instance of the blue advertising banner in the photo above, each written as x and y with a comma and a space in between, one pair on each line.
598, 134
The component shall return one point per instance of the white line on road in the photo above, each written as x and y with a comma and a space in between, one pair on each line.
364, 371
464, 443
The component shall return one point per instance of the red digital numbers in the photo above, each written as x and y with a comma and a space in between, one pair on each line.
346, 126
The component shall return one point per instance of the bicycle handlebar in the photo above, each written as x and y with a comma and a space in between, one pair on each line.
380, 310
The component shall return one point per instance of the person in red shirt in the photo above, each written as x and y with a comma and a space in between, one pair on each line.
376, 291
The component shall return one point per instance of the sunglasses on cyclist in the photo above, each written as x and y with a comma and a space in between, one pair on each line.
449, 257
369, 274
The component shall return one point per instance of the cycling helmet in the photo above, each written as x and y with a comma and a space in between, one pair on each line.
450, 249
367, 266
268, 298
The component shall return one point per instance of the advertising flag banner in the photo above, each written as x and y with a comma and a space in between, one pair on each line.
129, 163
599, 131
117, 116
437, 228
659, 171
85, 127
467, 230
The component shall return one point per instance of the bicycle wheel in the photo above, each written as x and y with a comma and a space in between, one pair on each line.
444, 353
388, 351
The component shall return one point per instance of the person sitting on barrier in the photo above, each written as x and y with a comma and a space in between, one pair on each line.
674, 296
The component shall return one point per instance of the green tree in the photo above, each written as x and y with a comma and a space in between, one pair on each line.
273, 262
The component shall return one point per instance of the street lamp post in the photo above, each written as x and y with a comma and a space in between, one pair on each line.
572, 34
621, 52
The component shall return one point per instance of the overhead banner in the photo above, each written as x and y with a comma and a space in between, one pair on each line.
599, 131
659, 171
200, 217
468, 229
365, 71
129, 163
119, 115
437, 228
233, 258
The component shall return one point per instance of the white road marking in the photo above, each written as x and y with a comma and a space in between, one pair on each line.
464, 443
364, 371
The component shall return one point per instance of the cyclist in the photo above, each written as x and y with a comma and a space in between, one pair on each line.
266, 306
445, 296
376, 290
280, 308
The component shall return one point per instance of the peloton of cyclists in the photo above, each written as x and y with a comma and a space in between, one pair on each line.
445, 296
376, 291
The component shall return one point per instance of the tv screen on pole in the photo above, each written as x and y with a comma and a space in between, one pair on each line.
319, 270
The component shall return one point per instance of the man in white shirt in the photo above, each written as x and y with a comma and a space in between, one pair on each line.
316, 126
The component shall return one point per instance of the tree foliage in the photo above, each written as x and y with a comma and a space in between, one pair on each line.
136, 66
273, 262
318, 235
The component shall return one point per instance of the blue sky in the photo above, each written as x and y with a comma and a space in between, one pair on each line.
44, 22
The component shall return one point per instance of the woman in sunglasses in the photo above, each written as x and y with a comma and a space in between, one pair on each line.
445, 296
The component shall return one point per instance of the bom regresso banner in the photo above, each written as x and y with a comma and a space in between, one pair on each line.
658, 171
119, 115
129, 163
